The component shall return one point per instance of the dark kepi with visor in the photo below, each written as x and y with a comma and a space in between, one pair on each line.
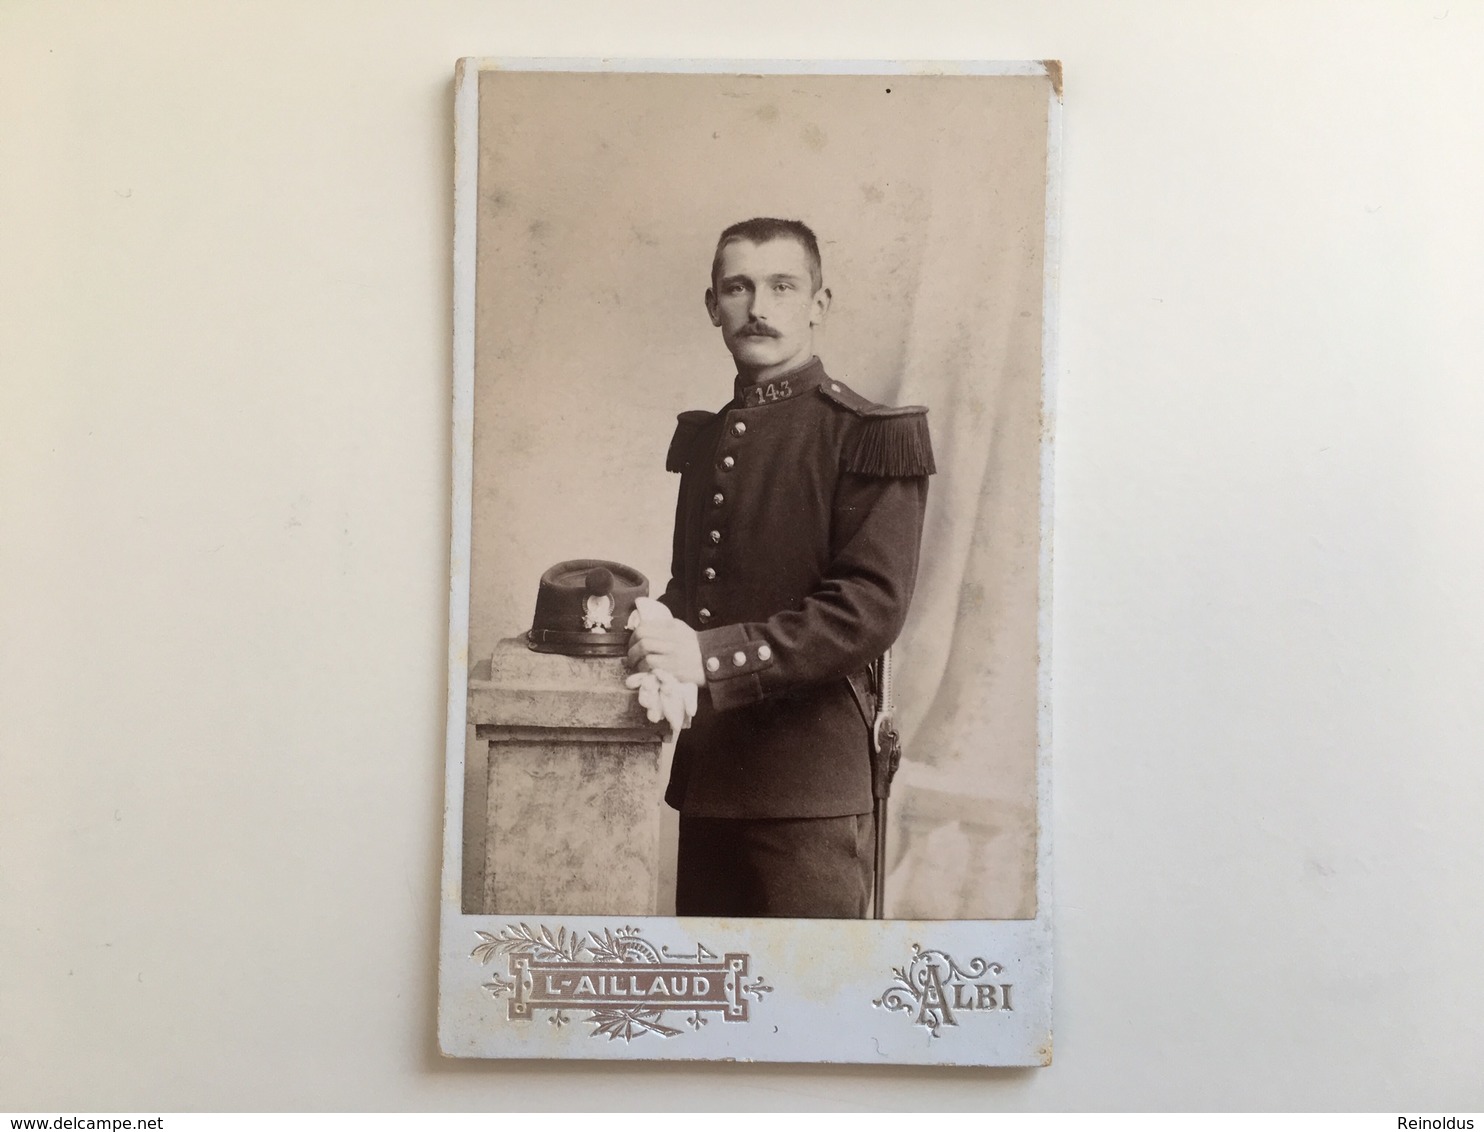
583, 607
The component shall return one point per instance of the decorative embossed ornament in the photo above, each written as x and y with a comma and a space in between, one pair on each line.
933, 986
627, 984
597, 613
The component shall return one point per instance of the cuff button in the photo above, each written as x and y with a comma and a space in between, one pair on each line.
739, 659
712, 664
764, 652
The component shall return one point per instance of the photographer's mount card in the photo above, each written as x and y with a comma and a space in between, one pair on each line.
748, 728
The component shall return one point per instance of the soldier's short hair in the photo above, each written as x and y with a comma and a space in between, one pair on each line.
761, 229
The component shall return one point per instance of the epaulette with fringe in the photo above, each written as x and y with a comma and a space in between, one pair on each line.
687, 425
889, 441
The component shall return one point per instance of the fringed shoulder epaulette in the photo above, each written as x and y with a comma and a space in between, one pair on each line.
687, 425
888, 441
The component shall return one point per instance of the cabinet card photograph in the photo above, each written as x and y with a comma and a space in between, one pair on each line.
748, 729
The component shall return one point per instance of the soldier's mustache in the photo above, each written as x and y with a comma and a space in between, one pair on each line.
757, 329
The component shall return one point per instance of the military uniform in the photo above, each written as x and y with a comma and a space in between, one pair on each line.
796, 539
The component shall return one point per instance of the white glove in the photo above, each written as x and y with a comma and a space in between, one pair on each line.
660, 694
664, 697
648, 609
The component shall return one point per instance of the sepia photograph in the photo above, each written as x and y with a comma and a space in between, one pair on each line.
757, 504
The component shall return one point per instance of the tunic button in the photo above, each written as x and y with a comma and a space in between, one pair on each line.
764, 652
739, 659
705, 615
718, 499
727, 462
715, 536
712, 664
710, 573
738, 429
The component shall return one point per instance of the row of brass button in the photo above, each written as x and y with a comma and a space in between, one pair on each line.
739, 658
727, 463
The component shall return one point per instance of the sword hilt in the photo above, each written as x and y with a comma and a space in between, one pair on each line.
886, 753
886, 746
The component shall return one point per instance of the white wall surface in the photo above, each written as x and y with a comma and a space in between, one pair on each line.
224, 382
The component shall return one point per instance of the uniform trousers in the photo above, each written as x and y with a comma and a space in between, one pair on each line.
797, 867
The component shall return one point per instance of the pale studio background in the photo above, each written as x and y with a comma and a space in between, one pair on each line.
600, 200
224, 360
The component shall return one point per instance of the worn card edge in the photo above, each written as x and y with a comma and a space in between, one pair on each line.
466, 160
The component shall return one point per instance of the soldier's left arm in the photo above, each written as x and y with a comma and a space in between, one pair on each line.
861, 603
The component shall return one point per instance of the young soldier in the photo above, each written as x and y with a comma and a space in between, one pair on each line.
795, 552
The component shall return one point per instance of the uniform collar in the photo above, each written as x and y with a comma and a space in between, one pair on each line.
750, 394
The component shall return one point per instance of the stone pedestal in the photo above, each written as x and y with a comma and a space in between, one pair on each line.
573, 815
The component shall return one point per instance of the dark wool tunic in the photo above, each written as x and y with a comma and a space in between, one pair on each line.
796, 540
